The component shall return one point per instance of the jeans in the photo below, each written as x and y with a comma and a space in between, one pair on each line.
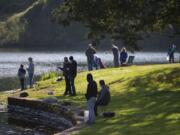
116, 61
171, 58
90, 65
31, 76
72, 86
100, 103
22, 80
90, 107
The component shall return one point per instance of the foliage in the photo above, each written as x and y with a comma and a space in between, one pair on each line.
120, 19
49, 75
12, 21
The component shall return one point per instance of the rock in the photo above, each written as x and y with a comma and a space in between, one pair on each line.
24, 94
10, 132
50, 93
50, 100
59, 79
65, 103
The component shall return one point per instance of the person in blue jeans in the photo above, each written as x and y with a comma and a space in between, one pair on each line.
30, 70
90, 56
91, 95
123, 56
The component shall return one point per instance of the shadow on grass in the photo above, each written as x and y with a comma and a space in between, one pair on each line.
150, 106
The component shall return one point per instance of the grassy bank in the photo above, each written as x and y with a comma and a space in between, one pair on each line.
145, 99
12, 83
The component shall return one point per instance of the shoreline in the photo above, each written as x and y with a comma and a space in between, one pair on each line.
13, 82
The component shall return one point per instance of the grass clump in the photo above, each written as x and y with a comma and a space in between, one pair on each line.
50, 75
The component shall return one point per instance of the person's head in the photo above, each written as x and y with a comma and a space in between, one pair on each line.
89, 77
71, 58
65, 59
123, 49
21, 66
173, 45
90, 45
30, 59
102, 83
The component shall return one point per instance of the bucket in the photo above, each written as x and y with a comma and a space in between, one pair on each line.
86, 115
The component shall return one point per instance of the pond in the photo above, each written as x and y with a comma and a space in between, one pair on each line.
48, 61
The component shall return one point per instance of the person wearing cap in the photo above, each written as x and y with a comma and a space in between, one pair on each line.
90, 51
30, 70
115, 51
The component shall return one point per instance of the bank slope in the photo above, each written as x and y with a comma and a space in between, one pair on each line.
145, 99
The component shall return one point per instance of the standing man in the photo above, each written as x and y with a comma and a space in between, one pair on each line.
91, 95
73, 73
90, 56
66, 74
115, 51
21, 76
171, 52
30, 70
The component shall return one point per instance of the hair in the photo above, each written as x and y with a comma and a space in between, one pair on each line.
102, 82
30, 59
123, 49
21, 66
71, 58
89, 77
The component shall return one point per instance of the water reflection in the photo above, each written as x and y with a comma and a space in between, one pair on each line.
47, 61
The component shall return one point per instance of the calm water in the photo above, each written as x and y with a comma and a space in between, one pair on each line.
48, 61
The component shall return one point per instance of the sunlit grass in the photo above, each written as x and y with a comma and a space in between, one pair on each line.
145, 99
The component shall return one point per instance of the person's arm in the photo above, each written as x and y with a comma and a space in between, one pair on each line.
87, 92
101, 95
61, 68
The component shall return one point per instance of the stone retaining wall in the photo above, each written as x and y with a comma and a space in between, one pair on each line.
36, 111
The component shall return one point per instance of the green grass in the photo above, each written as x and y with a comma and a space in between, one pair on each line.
146, 99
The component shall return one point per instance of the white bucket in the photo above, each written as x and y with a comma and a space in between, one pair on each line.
86, 115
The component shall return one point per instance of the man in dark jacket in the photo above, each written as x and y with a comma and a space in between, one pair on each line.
104, 96
73, 73
91, 95
21, 75
66, 73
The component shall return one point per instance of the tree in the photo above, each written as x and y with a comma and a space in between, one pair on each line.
120, 19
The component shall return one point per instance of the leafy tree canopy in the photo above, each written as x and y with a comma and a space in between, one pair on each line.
120, 19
